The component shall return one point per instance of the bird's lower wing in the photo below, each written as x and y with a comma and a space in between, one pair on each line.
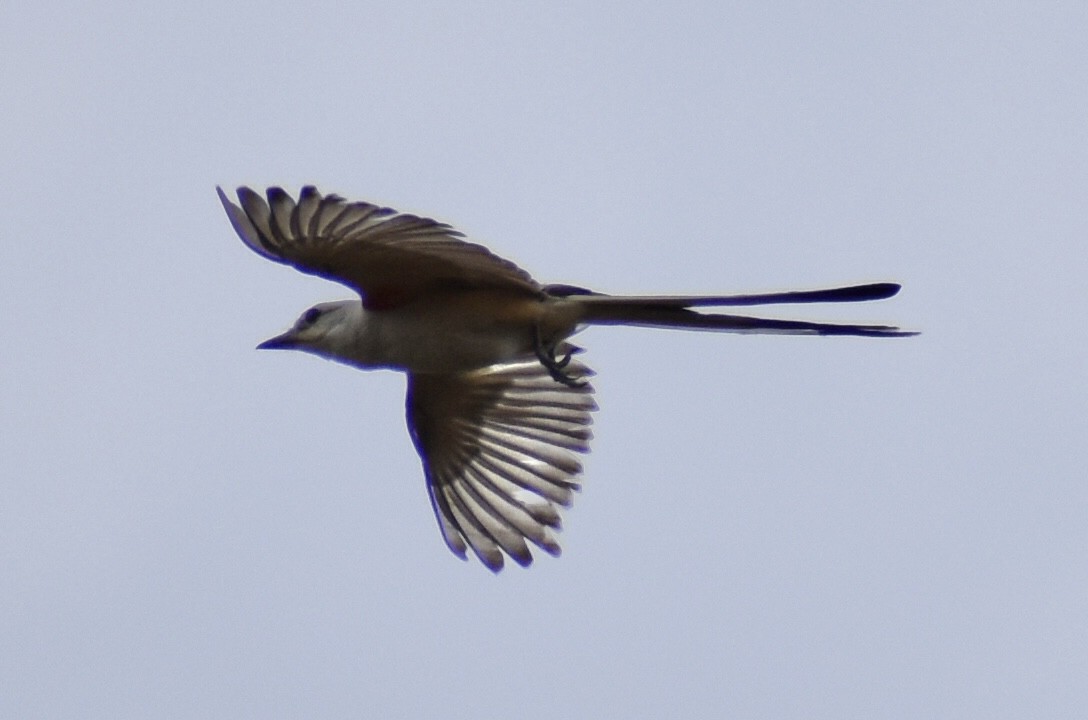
500, 450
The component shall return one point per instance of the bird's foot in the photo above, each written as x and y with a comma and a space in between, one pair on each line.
556, 366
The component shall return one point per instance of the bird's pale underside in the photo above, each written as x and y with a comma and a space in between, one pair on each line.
499, 404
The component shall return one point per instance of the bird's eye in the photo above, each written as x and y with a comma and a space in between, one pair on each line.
311, 316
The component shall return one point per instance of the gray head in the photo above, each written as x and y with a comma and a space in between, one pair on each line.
326, 329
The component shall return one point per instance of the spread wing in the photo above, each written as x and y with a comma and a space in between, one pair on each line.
388, 257
500, 452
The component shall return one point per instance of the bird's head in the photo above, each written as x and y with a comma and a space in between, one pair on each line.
325, 329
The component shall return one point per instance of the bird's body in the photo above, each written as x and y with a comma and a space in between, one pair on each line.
498, 407
440, 334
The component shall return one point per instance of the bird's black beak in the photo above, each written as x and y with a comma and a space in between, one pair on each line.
280, 342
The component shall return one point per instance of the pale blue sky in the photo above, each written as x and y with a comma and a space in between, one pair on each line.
771, 527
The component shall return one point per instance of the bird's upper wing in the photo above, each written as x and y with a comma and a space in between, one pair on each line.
499, 448
388, 257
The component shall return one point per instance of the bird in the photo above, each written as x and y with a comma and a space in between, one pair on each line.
499, 404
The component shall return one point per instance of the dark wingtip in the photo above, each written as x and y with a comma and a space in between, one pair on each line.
524, 559
276, 193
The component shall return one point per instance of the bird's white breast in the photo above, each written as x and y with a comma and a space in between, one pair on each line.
444, 334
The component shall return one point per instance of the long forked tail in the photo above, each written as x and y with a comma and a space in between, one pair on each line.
675, 312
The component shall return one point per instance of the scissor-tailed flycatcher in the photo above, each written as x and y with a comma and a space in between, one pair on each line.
497, 406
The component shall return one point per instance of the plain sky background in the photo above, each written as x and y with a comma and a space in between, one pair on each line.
771, 527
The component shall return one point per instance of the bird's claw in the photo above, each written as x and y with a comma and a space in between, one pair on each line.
556, 367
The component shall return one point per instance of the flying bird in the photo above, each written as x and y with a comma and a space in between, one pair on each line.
498, 403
